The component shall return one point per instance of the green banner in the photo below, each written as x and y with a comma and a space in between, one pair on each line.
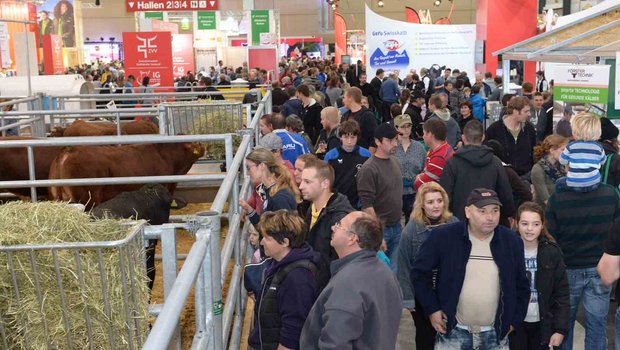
154, 15
206, 20
581, 94
260, 24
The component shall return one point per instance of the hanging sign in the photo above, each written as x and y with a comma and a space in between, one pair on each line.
182, 54
149, 54
260, 24
170, 5
581, 83
206, 20
400, 46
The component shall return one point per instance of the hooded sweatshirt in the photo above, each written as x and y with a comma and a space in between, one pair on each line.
454, 130
296, 294
476, 167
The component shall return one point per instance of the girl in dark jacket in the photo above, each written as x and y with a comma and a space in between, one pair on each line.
547, 317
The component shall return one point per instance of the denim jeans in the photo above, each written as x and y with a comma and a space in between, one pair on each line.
461, 339
618, 327
585, 286
391, 234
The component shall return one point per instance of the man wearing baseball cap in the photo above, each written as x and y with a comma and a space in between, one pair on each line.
482, 291
379, 187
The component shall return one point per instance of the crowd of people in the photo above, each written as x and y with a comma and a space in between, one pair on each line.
504, 226
371, 197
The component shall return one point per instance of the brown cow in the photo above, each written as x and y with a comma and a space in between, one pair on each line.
118, 161
14, 164
83, 128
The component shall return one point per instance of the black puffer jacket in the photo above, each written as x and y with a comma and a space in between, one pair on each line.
311, 117
320, 235
553, 291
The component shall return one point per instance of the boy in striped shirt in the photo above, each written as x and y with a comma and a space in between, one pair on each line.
584, 156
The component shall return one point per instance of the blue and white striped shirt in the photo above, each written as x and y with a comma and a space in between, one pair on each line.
584, 159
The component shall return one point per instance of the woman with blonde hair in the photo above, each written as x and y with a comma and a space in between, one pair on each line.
430, 210
547, 169
277, 187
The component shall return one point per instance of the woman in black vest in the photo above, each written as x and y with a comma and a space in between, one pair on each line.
289, 286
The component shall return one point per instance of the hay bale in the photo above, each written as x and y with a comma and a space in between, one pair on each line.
82, 298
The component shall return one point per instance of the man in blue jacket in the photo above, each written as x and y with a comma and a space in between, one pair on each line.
482, 291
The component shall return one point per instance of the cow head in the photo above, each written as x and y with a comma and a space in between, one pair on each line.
196, 148
57, 131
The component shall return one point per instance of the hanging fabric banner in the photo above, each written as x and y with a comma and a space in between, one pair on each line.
340, 36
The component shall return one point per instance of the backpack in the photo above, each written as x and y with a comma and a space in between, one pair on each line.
431, 85
605, 175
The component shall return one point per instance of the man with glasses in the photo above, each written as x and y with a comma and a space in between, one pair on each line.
352, 313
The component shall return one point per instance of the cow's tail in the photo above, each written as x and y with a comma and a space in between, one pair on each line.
59, 193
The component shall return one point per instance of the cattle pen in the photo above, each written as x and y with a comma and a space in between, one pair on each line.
218, 322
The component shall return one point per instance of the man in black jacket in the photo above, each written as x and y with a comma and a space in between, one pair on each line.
352, 99
482, 169
326, 209
376, 83
517, 136
310, 113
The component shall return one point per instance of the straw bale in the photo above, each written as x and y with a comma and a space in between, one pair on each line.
216, 121
83, 298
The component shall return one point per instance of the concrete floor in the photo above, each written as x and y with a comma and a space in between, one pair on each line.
406, 331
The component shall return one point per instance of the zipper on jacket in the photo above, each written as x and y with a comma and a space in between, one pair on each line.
260, 337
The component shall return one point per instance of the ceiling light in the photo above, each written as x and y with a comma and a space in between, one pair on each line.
437, 2
380, 3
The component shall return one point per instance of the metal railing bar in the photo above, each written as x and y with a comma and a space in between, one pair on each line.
110, 140
227, 184
162, 332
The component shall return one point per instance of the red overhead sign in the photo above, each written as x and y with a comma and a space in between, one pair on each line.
149, 54
170, 5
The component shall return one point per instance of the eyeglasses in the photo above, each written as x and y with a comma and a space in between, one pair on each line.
338, 226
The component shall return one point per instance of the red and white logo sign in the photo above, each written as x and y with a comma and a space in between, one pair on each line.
149, 54
182, 54
147, 46
170, 5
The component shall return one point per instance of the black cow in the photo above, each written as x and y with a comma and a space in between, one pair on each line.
151, 203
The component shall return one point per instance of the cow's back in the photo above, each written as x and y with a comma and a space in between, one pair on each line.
14, 163
119, 161
139, 127
83, 128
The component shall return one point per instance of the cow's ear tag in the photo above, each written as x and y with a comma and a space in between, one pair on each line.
196, 151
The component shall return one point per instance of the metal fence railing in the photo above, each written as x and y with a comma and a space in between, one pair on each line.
218, 323
201, 118
70, 274
216, 327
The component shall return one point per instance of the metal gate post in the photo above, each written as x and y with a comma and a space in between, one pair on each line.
205, 220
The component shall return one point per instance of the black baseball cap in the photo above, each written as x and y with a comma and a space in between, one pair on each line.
481, 197
385, 130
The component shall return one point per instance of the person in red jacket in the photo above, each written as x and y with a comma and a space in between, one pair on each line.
440, 151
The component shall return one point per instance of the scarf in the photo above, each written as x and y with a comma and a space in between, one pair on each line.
553, 171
